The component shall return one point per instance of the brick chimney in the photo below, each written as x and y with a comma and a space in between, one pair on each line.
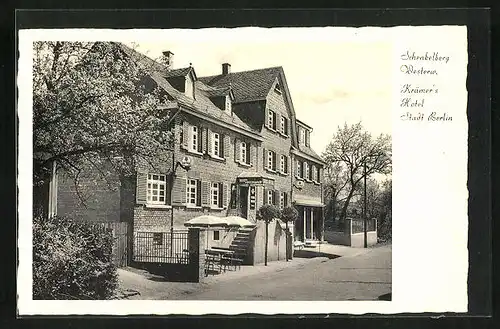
168, 58
226, 68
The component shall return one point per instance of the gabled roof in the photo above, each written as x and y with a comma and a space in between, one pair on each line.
182, 72
200, 104
302, 123
247, 85
309, 151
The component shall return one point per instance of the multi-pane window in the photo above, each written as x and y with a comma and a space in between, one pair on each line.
284, 125
243, 152
284, 164
283, 200
270, 197
193, 146
271, 160
302, 136
191, 192
228, 103
299, 169
157, 187
307, 137
216, 149
315, 176
215, 200
271, 119
306, 169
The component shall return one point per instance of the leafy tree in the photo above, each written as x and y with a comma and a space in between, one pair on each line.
267, 213
289, 215
351, 149
384, 224
93, 106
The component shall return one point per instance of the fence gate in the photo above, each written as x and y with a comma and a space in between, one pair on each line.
161, 247
120, 232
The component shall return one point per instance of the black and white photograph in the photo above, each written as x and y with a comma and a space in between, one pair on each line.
241, 164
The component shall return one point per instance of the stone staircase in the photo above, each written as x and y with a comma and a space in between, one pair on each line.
241, 242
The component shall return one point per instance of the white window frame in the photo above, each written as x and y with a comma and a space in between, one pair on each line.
193, 139
302, 138
270, 160
243, 152
270, 119
216, 150
215, 201
282, 125
270, 196
306, 168
314, 173
156, 183
228, 103
282, 200
283, 163
299, 169
191, 192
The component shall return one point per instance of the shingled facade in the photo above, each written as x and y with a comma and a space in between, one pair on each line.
237, 145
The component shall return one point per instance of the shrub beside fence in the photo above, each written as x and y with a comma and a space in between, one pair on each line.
72, 260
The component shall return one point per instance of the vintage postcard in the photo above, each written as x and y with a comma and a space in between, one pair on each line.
244, 170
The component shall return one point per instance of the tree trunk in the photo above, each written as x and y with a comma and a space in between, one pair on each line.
265, 249
343, 214
286, 240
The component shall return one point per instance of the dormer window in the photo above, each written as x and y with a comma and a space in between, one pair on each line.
189, 88
228, 104
302, 136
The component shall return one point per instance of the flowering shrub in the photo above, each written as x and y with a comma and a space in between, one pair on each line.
72, 260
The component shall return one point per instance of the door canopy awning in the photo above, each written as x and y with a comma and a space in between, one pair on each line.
308, 202
254, 178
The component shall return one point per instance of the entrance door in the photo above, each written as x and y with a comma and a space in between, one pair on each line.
244, 201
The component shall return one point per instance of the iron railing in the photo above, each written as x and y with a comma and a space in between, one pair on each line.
162, 247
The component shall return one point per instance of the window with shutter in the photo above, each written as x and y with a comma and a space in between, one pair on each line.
141, 188
244, 153
282, 200
215, 195
191, 192
156, 189
270, 197
194, 139
205, 134
225, 146
198, 193
225, 195
237, 152
179, 191
207, 141
185, 137
205, 193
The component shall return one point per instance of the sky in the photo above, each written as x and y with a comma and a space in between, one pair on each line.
333, 79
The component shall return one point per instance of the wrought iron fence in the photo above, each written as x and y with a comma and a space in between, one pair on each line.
162, 247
